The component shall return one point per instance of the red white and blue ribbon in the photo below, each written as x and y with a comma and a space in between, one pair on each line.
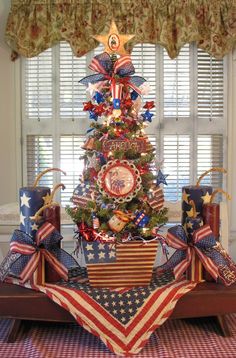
119, 72
203, 246
47, 240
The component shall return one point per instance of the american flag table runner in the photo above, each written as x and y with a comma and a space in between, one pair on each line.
123, 319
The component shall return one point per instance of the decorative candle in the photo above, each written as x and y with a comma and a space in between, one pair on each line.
200, 194
211, 213
31, 200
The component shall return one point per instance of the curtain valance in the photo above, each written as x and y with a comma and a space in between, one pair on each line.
35, 25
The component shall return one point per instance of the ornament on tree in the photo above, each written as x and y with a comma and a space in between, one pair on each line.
161, 178
141, 219
118, 221
119, 180
155, 197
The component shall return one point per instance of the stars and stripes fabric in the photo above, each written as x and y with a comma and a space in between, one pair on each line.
83, 193
123, 319
31, 253
122, 265
204, 246
156, 197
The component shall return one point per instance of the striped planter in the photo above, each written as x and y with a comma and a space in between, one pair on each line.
131, 263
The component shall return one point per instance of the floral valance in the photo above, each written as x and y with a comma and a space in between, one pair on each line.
35, 25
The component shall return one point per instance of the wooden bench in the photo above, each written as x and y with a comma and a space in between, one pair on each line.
21, 304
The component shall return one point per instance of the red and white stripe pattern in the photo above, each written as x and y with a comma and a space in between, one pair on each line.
116, 90
133, 266
122, 62
43, 232
156, 199
120, 339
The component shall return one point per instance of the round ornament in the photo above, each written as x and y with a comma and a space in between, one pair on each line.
119, 180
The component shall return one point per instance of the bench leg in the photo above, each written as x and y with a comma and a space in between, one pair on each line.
14, 329
223, 325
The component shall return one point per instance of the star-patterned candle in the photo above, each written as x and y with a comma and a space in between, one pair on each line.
200, 194
31, 200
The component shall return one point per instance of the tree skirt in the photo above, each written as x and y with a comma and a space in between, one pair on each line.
123, 319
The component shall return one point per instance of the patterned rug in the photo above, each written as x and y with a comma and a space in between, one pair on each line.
178, 338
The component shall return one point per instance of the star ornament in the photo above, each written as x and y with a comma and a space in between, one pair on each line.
161, 178
113, 41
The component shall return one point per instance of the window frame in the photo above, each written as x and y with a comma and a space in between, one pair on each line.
159, 127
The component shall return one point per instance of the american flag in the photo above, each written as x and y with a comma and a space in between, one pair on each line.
123, 320
132, 265
83, 193
156, 197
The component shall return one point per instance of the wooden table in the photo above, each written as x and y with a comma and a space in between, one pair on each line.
21, 304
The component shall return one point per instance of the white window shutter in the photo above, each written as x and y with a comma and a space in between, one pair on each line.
39, 158
176, 77
38, 86
210, 84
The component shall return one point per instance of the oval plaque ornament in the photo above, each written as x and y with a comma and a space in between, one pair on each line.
119, 180
113, 42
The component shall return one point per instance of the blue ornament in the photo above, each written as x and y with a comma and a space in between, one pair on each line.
92, 115
161, 178
102, 159
141, 219
147, 116
116, 103
133, 95
98, 97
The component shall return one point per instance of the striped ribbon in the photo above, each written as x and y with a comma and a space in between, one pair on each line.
37, 251
120, 72
199, 236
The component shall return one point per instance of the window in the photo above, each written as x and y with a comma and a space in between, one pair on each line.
188, 127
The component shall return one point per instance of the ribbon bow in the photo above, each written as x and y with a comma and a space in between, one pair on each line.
47, 239
118, 72
203, 241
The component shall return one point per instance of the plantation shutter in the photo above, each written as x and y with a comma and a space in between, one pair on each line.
38, 86
176, 77
72, 94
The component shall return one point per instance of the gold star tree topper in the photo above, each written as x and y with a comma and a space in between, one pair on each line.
113, 41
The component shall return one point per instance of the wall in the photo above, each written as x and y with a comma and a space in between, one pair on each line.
8, 186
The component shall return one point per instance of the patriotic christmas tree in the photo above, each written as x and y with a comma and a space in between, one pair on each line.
119, 197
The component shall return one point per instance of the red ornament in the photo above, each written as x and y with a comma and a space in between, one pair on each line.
149, 105
99, 109
127, 103
88, 106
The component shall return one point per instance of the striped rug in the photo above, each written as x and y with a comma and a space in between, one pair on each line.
176, 338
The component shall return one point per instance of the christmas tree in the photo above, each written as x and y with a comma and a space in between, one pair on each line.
119, 196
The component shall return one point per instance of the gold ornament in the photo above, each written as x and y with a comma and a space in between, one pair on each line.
113, 41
